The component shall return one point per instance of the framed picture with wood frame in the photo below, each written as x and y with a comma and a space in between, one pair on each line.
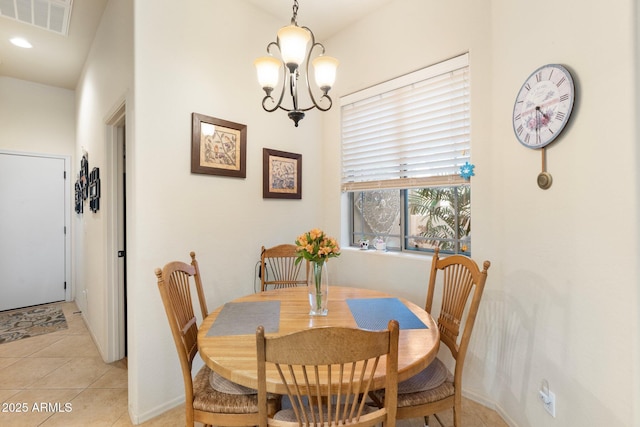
281, 175
218, 147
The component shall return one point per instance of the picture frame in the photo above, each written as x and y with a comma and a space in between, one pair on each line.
218, 147
281, 175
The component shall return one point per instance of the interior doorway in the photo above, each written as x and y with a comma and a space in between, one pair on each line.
117, 231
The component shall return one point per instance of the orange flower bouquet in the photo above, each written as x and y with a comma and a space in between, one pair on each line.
316, 247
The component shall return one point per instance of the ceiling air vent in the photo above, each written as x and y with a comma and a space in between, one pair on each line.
52, 15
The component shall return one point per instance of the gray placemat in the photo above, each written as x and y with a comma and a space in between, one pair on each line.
374, 313
242, 318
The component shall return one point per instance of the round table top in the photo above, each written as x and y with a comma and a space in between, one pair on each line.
230, 347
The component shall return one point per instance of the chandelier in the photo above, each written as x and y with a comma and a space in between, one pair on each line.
292, 44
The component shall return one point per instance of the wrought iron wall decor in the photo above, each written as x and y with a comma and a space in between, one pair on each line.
87, 186
94, 190
78, 196
84, 176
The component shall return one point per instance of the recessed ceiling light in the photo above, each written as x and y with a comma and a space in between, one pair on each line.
20, 42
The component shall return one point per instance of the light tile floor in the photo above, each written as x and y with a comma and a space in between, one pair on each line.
59, 379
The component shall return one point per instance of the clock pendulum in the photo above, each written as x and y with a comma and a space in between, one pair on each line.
544, 177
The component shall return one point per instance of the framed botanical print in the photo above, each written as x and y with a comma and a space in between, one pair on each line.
218, 147
281, 175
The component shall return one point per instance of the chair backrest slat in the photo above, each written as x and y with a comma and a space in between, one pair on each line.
308, 363
175, 281
278, 268
462, 286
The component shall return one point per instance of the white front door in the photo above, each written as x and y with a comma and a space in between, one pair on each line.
32, 230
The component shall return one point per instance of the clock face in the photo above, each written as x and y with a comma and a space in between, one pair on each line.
543, 106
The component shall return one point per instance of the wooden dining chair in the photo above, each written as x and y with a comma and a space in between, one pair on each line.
209, 398
278, 268
343, 358
436, 388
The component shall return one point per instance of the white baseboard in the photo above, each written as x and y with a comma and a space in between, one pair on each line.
158, 410
482, 400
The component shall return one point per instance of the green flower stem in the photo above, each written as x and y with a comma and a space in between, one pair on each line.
317, 277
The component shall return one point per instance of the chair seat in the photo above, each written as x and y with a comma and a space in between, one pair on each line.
429, 378
433, 383
221, 384
290, 416
443, 391
208, 399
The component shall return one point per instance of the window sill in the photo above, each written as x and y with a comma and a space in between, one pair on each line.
392, 254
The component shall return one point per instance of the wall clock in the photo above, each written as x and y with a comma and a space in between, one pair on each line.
542, 109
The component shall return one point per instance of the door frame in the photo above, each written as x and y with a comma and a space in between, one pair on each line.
115, 309
68, 293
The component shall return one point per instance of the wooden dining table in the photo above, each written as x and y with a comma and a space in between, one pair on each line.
227, 341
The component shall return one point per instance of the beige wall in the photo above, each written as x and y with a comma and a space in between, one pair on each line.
197, 56
105, 85
562, 298
36, 118
573, 280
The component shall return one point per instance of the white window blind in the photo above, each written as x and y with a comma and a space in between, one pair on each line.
409, 132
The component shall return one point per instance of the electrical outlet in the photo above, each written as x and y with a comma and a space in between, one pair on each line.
548, 399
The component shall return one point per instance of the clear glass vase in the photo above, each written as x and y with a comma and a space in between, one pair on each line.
318, 287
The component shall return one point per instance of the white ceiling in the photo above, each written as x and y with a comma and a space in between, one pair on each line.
323, 17
54, 60
57, 60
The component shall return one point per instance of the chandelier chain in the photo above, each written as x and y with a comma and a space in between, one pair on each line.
294, 18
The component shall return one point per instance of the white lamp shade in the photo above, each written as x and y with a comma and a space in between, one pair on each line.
268, 69
325, 71
293, 42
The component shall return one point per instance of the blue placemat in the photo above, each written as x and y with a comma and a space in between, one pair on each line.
242, 318
374, 313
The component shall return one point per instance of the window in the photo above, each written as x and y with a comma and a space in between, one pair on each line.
403, 143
